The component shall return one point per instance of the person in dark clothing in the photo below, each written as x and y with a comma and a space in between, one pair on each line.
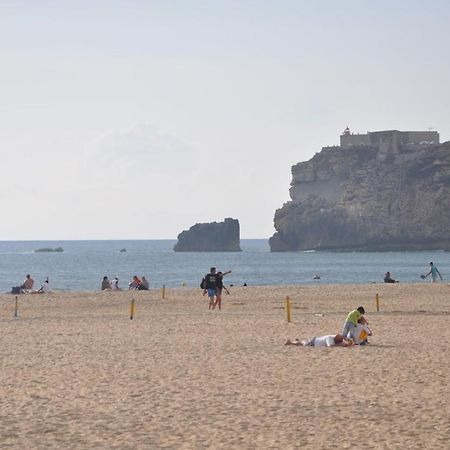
388, 279
211, 286
219, 287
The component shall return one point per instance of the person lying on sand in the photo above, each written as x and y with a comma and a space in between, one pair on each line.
329, 340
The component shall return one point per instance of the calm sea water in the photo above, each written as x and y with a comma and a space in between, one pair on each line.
83, 264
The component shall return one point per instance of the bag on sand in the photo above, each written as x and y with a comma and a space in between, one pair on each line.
16, 290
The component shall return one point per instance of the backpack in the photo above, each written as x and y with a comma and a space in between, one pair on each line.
203, 283
16, 290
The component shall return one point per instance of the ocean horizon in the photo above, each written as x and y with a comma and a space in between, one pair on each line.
83, 263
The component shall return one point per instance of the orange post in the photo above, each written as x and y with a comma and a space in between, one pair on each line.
132, 309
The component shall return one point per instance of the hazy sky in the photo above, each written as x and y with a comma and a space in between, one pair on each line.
137, 119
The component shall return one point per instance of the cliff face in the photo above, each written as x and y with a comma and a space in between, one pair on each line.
210, 237
364, 198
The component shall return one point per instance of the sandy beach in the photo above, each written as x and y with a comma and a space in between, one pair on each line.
77, 373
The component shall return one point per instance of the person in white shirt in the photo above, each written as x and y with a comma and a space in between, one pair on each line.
328, 340
44, 289
115, 284
361, 332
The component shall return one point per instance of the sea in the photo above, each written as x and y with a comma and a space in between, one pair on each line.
82, 264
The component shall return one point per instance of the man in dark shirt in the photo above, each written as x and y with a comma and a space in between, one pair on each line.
211, 286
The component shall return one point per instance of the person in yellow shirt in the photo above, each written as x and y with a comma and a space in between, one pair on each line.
351, 322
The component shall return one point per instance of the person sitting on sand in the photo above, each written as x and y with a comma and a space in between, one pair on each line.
27, 285
115, 284
389, 279
330, 340
135, 282
44, 288
362, 331
106, 284
352, 320
144, 285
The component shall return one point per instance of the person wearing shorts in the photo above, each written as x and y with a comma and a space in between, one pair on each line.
210, 288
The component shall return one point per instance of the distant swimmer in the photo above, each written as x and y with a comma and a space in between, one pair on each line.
316, 277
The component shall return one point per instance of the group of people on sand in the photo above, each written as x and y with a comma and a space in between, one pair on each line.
27, 287
136, 284
212, 284
354, 332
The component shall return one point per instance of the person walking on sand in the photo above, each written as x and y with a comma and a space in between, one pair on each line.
219, 287
210, 286
434, 272
351, 322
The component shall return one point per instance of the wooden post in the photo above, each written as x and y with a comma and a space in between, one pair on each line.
288, 309
16, 306
377, 302
163, 292
132, 309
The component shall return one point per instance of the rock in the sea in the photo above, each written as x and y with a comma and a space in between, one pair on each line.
210, 237
49, 250
387, 192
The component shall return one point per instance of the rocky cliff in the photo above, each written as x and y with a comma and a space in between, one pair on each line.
367, 198
210, 237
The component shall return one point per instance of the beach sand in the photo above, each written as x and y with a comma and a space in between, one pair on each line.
77, 373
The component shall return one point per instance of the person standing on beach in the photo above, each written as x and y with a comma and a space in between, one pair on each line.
351, 322
434, 273
219, 287
210, 288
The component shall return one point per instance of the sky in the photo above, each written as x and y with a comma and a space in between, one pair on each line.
137, 119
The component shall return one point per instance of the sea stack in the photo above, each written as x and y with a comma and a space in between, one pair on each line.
386, 190
210, 237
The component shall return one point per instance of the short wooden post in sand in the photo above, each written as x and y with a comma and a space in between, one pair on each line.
288, 309
163, 291
16, 307
377, 302
132, 309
